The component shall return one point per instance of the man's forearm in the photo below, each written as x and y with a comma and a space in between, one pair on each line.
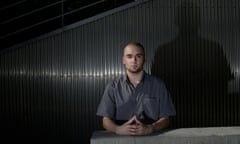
109, 125
136, 129
125, 129
162, 123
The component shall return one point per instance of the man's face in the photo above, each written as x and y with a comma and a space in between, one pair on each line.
133, 58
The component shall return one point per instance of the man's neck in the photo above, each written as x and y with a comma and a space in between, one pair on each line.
135, 78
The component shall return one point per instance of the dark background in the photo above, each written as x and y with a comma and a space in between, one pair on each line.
52, 74
22, 20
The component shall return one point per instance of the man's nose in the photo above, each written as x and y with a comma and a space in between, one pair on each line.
135, 58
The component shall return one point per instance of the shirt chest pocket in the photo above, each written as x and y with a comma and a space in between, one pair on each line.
125, 109
151, 107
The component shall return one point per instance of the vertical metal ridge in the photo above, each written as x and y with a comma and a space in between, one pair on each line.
54, 85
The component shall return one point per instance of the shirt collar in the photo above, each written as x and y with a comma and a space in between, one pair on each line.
126, 79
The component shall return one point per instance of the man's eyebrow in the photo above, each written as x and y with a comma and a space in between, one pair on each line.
136, 54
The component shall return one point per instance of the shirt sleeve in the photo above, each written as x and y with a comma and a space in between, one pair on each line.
166, 105
107, 105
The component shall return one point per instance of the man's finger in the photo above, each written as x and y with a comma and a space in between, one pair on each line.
131, 121
137, 121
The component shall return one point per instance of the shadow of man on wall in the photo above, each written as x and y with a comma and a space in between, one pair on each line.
195, 71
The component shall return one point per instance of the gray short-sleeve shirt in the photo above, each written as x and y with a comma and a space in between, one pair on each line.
149, 101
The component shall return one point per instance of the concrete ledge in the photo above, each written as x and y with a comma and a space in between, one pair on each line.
211, 135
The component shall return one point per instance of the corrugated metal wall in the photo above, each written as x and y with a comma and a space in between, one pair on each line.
50, 87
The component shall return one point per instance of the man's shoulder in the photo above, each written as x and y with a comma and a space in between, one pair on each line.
155, 82
154, 79
116, 81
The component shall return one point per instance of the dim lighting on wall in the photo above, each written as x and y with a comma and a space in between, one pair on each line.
237, 73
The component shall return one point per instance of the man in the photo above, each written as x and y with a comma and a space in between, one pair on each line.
136, 103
